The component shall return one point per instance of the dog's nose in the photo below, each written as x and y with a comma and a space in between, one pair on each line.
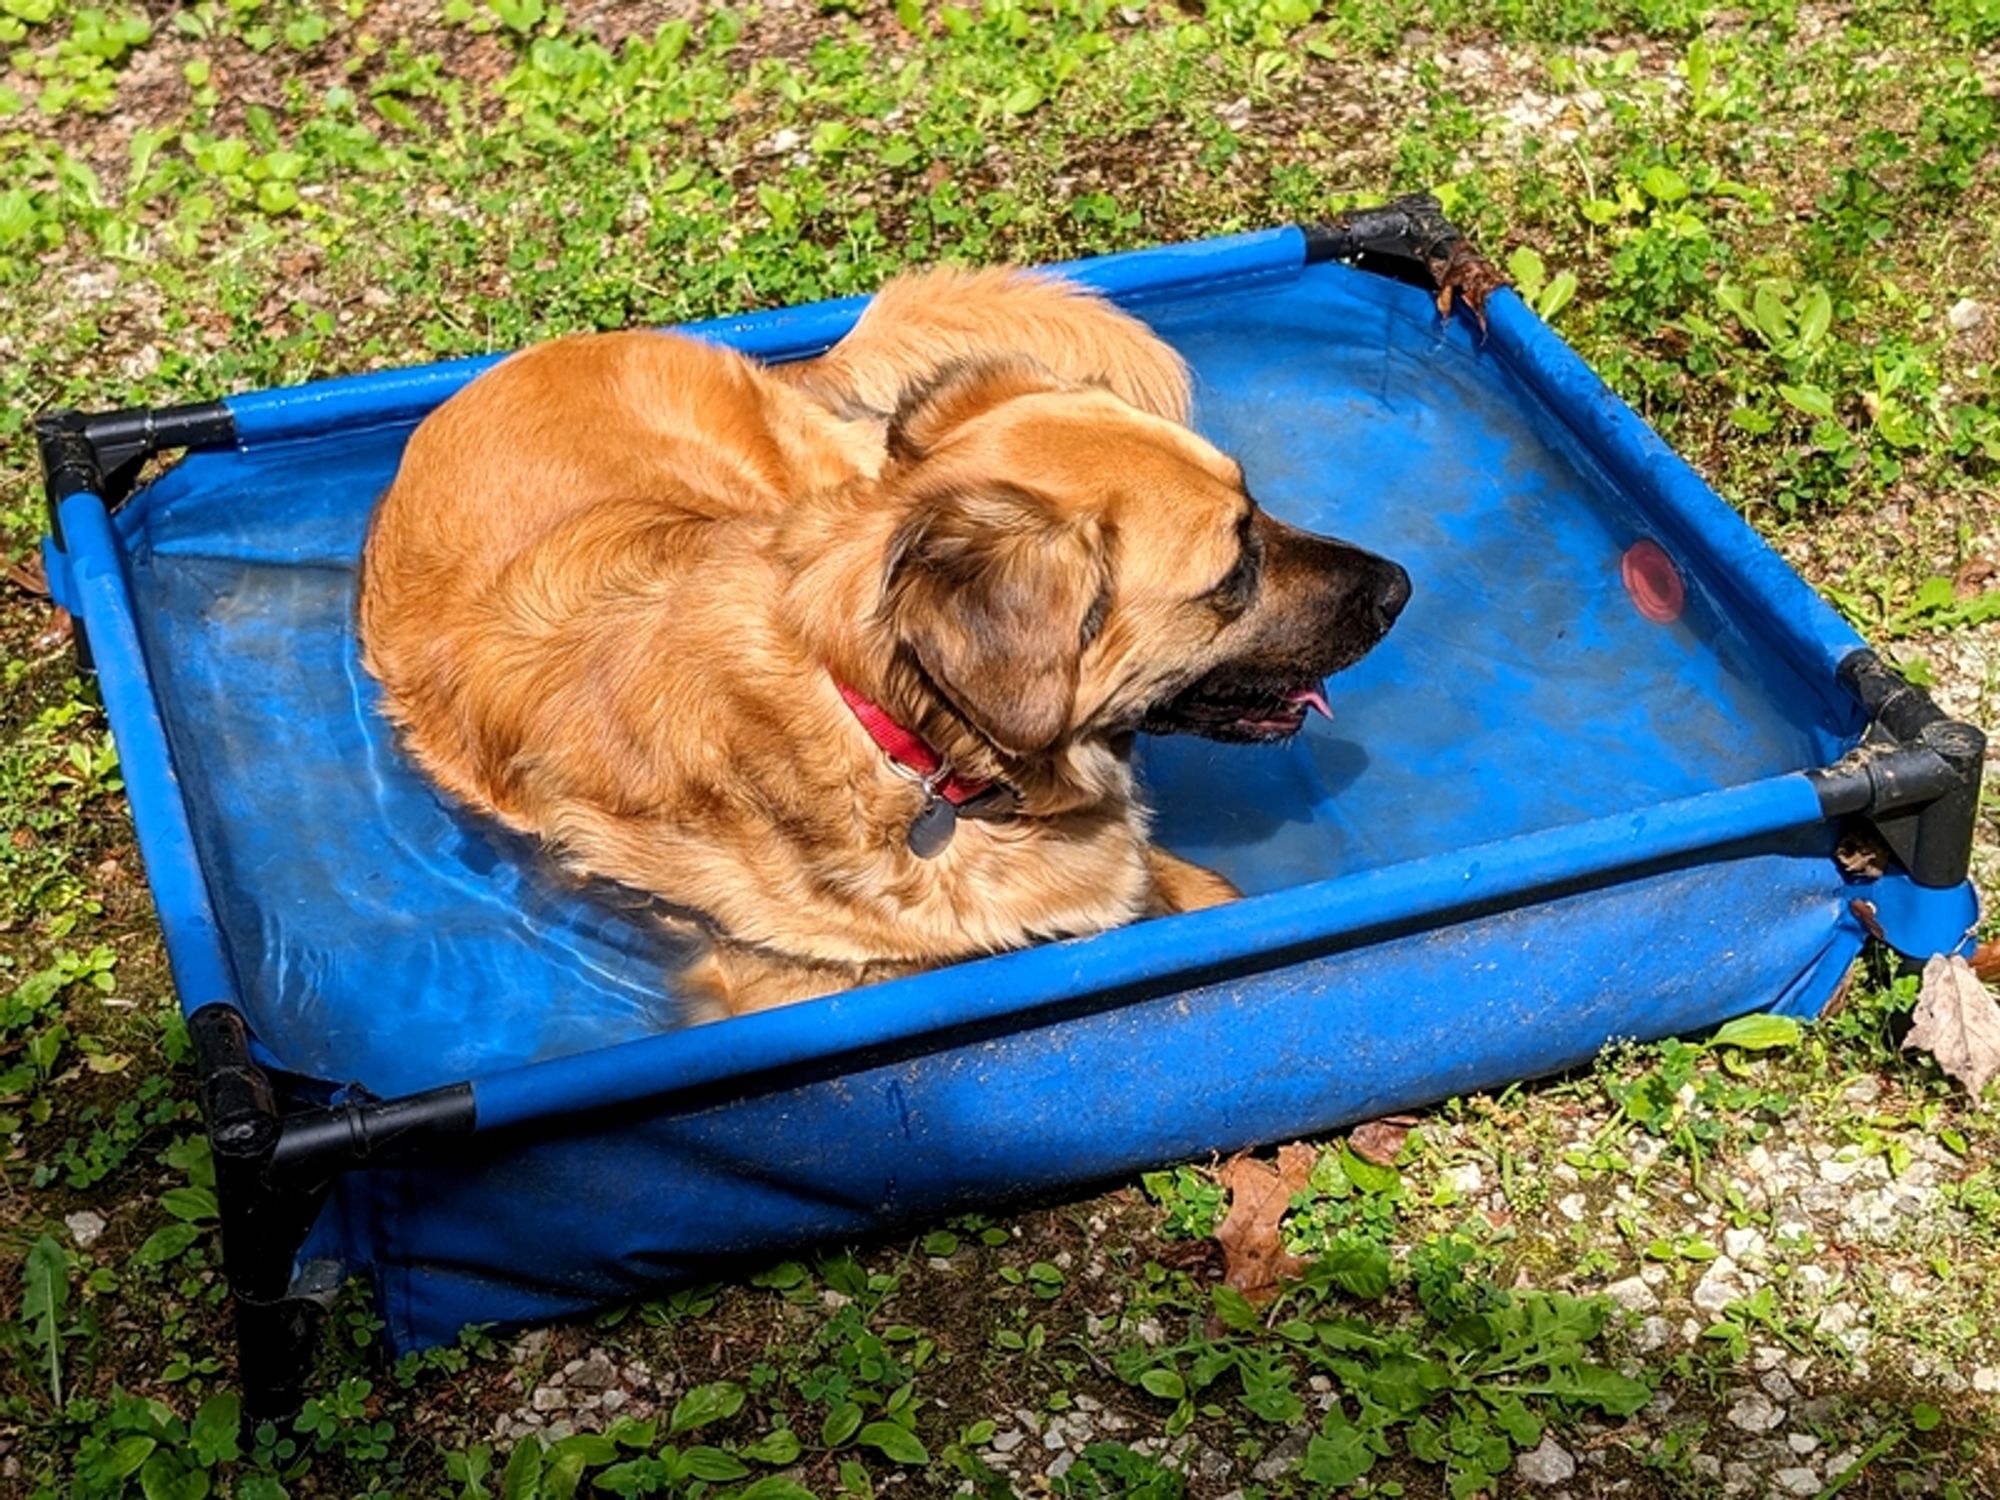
1392, 592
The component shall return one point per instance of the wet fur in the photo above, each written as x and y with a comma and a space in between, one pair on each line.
616, 577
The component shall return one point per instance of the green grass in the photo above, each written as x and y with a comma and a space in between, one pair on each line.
1756, 222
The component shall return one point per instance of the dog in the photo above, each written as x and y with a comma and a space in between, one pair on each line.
843, 661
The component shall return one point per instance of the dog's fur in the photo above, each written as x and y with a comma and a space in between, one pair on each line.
613, 585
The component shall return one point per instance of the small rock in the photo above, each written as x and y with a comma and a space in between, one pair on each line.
613, 1399
1986, 1380
1802, 1443
1845, 1167
547, 1398
1841, 1462
1707, 1465
1799, 1481
1062, 1465
1573, 1207
1283, 1455
1755, 1412
1777, 1386
1055, 1435
1723, 1284
84, 1228
1744, 1244
1466, 1179
1654, 1275
1863, 1090
1633, 1295
531, 1345
593, 1374
1548, 1464
1149, 1331
1213, 1469
1652, 1334
1008, 1441
1965, 316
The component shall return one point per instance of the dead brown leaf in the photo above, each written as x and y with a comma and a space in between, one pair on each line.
29, 577
1381, 1141
1957, 1022
1974, 574
1985, 961
1254, 1257
1464, 275
1861, 855
56, 634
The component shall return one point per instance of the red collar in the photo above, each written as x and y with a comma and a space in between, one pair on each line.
903, 747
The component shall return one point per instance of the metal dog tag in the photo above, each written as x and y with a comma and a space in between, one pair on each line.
933, 827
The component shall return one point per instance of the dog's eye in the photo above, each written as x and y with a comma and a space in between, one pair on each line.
1239, 586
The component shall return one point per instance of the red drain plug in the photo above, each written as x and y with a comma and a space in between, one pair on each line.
1653, 581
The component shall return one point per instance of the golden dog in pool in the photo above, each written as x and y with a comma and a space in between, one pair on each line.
844, 660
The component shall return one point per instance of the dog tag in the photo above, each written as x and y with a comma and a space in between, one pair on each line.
933, 828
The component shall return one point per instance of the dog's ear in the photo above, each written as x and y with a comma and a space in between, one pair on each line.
998, 595
954, 394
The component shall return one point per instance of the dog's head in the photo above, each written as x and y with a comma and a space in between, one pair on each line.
1070, 567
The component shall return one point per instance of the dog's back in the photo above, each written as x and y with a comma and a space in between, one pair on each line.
920, 324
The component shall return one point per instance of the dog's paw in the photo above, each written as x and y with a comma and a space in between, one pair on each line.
1179, 886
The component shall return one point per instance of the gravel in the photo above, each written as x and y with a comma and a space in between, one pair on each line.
1548, 1464
1753, 1411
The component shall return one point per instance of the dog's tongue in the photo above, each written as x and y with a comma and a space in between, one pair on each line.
1312, 697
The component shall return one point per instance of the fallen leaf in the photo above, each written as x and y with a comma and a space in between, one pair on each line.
1864, 913
1861, 855
57, 634
1957, 1022
1464, 275
1254, 1257
29, 577
1381, 1141
1986, 961
1973, 575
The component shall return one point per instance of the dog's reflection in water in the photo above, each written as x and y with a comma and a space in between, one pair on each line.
848, 657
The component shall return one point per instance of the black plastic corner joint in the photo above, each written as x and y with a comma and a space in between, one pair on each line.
1915, 775
103, 454
273, 1170
1408, 238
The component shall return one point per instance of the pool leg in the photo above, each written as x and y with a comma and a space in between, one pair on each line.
265, 1218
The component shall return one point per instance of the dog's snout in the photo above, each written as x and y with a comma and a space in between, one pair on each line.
1392, 592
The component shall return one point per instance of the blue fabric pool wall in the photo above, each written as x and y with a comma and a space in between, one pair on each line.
1431, 923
